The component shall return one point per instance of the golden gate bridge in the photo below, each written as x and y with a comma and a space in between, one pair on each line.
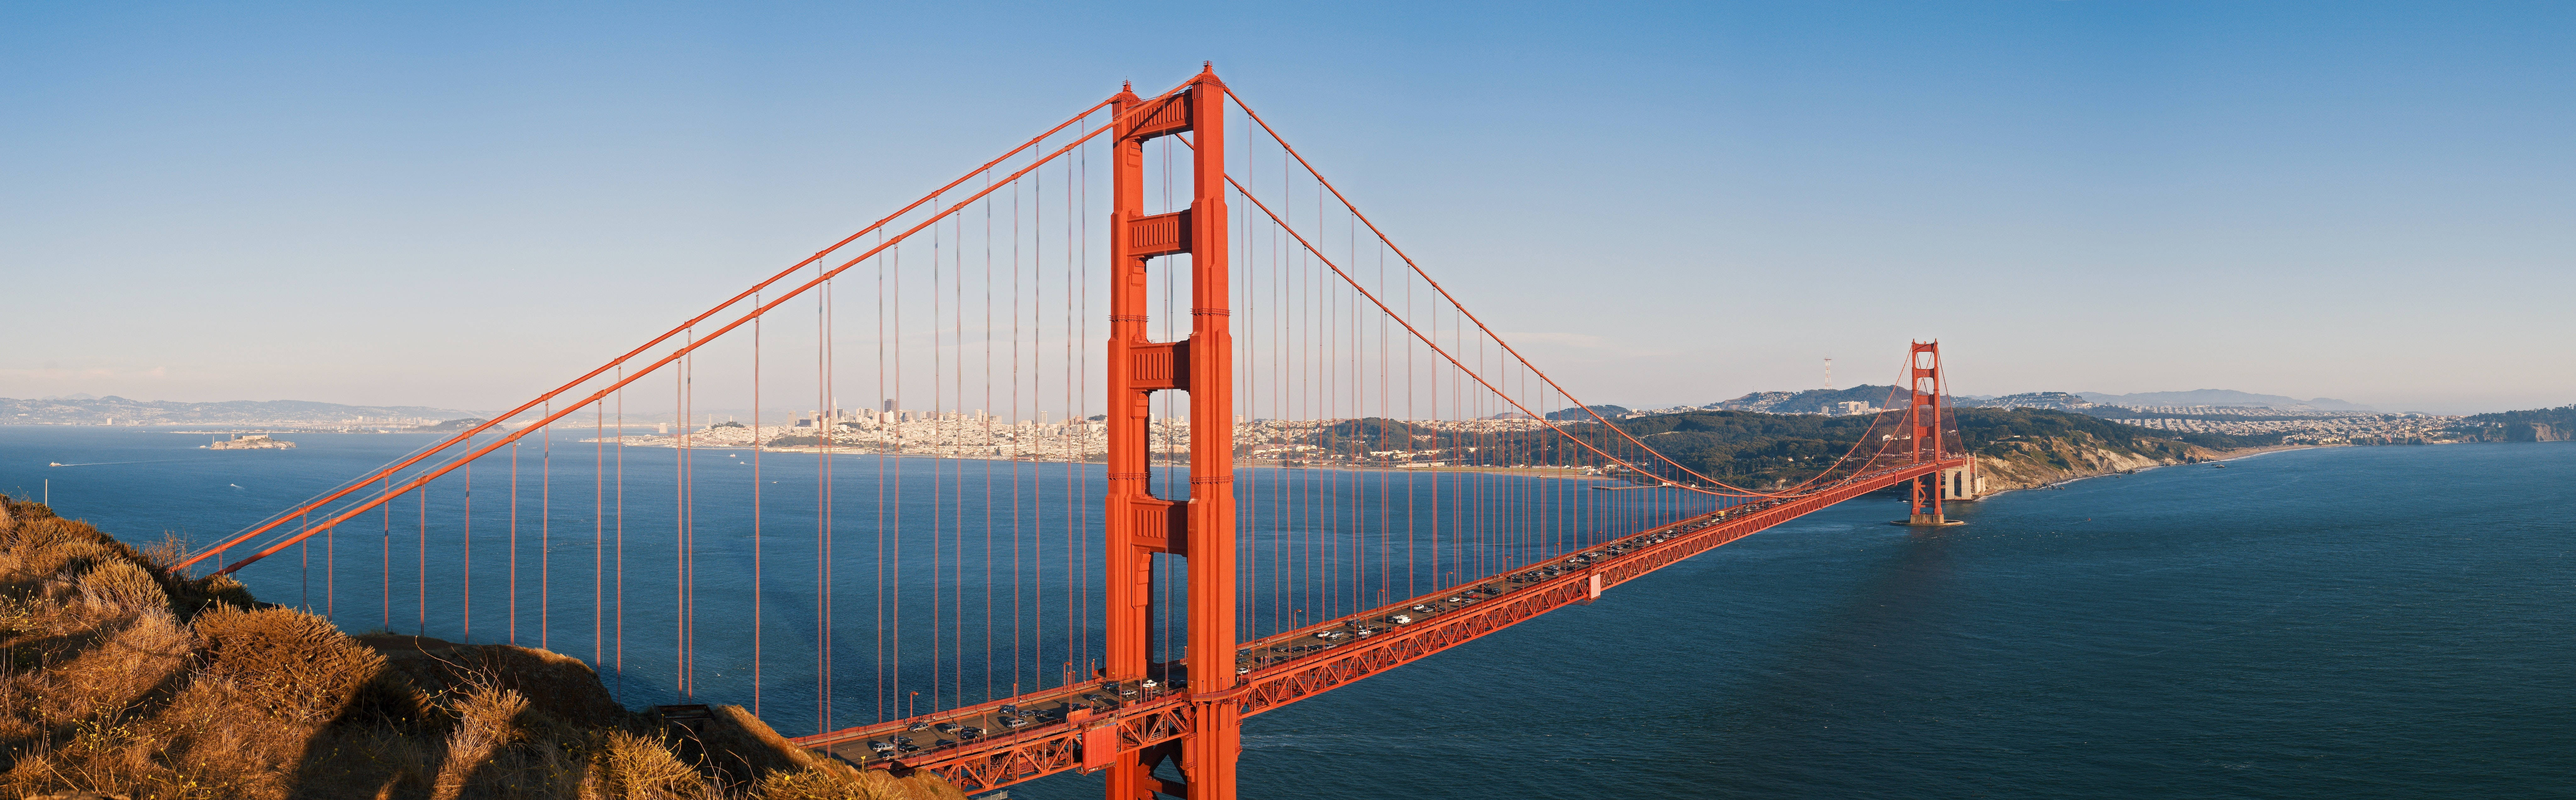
1166, 434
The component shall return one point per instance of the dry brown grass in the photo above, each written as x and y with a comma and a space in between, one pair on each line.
120, 677
633, 767
487, 718
851, 784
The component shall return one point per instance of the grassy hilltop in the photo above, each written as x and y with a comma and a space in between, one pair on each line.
121, 678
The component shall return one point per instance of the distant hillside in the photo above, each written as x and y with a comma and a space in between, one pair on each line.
2061, 401
85, 410
1811, 401
2536, 425
2026, 446
2221, 397
1578, 413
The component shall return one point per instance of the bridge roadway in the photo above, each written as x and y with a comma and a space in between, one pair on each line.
1083, 726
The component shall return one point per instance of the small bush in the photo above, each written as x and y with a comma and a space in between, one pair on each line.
487, 718
288, 663
631, 767
123, 586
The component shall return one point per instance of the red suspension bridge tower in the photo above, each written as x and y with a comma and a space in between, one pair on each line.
1199, 527
1923, 422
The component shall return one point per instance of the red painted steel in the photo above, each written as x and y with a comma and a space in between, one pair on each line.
1923, 423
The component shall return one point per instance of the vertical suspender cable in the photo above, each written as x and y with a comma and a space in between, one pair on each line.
620, 632
759, 599
513, 606
598, 527
465, 588
545, 532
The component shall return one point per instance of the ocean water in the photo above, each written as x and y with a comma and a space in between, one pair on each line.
2348, 622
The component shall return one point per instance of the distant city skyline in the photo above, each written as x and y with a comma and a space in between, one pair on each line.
462, 206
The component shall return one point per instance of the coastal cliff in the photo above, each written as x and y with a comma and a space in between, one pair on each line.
2028, 448
2032, 463
2535, 425
125, 678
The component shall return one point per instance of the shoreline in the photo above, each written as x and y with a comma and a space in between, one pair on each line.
2250, 452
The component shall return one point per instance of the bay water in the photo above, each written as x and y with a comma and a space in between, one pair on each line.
2341, 622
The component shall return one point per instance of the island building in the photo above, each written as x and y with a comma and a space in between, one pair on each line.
250, 441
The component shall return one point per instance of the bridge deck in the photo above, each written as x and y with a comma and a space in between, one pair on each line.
999, 743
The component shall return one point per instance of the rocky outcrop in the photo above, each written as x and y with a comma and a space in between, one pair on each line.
2535, 432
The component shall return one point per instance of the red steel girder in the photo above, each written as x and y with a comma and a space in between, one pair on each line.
1045, 750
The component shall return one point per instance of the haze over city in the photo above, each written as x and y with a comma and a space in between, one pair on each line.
454, 207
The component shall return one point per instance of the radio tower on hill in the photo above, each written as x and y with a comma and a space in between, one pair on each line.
1829, 374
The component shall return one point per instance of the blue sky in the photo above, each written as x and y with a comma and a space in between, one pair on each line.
454, 204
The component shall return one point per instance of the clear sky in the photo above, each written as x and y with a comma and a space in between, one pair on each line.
460, 204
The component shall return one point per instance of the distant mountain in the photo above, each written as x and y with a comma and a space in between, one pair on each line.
100, 410
2221, 397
